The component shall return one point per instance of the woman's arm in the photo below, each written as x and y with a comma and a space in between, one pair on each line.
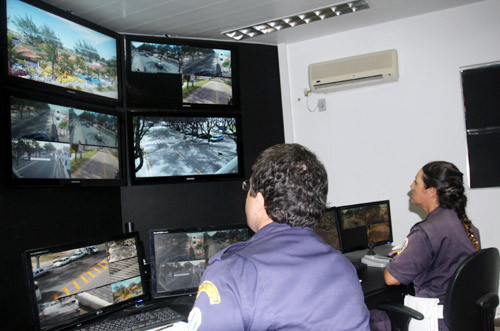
389, 279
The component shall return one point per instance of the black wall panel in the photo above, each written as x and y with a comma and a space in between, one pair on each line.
481, 91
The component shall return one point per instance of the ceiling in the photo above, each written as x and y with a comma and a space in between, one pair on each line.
206, 19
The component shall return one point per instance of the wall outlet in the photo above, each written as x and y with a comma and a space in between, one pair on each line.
322, 104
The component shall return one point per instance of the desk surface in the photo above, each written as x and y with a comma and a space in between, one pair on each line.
373, 283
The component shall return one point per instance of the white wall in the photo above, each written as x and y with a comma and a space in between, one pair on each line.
373, 140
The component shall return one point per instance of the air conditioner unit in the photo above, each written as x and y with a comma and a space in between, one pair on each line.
355, 71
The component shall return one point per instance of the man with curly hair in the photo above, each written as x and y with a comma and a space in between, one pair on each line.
284, 277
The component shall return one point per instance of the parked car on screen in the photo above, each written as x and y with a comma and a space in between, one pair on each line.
217, 138
77, 255
40, 271
62, 261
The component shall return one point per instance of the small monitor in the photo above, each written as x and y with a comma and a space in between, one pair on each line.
328, 228
177, 146
363, 223
54, 51
179, 256
71, 284
56, 141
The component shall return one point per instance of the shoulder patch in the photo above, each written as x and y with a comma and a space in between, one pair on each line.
194, 319
405, 244
211, 290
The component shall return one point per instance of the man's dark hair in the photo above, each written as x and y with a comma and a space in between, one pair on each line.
294, 184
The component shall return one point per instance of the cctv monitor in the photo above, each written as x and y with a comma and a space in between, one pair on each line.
363, 223
179, 256
54, 141
184, 147
54, 51
73, 283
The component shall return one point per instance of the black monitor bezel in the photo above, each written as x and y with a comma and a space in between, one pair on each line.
13, 181
153, 103
55, 89
133, 180
351, 248
154, 290
27, 254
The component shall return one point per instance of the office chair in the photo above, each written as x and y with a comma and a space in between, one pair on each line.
471, 297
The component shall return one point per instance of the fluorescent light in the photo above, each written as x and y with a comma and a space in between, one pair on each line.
313, 15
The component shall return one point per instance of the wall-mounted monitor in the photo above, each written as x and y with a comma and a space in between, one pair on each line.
54, 51
163, 72
56, 141
184, 147
179, 256
363, 223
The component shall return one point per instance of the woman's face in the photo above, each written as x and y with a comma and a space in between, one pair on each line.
419, 193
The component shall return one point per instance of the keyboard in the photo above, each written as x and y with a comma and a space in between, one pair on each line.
138, 321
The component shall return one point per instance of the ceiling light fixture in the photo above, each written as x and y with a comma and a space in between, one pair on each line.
298, 19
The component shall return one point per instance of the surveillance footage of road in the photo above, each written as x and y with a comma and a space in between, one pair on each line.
76, 281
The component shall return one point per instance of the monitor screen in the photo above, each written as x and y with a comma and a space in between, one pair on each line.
163, 73
327, 228
55, 50
365, 222
184, 147
58, 142
179, 256
70, 284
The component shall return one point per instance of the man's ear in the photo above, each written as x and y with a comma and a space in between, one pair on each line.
259, 201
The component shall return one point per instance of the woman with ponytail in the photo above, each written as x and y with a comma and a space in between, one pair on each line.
436, 246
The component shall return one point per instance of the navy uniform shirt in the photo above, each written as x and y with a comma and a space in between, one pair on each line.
282, 278
432, 252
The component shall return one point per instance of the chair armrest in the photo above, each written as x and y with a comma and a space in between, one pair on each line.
489, 301
400, 309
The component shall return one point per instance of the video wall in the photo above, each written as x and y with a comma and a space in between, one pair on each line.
84, 105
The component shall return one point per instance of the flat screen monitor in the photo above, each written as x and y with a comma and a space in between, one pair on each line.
176, 146
328, 228
50, 49
180, 74
363, 223
179, 256
53, 141
73, 283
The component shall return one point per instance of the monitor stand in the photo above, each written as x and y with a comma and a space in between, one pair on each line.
372, 259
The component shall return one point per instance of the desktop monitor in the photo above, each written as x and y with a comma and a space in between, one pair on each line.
184, 147
55, 141
73, 283
54, 51
328, 228
363, 223
179, 256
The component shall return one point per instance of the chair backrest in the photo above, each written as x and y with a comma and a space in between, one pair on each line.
476, 276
